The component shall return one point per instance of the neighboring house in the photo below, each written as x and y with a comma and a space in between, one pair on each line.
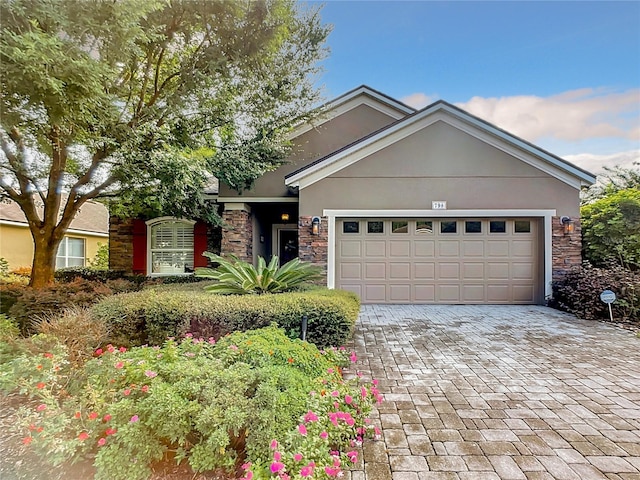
89, 229
397, 205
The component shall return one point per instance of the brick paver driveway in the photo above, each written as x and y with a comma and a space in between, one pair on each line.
500, 392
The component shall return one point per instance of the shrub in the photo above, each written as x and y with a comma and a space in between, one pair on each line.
152, 315
93, 274
4, 267
31, 305
579, 292
240, 278
101, 258
213, 406
21, 271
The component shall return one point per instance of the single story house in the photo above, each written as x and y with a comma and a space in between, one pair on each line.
88, 230
396, 205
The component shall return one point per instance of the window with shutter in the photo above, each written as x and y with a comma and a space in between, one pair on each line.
170, 247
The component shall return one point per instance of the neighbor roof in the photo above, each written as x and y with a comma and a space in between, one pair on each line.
332, 162
92, 217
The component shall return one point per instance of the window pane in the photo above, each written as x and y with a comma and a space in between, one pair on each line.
350, 227
62, 248
448, 226
400, 227
472, 227
61, 262
75, 262
75, 247
498, 226
522, 226
424, 226
375, 227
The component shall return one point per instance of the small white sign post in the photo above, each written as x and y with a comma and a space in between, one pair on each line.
608, 297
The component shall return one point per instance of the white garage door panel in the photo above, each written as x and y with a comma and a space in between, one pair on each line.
395, 261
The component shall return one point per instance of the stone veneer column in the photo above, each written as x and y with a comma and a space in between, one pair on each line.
314, 248
566, 247
121, 244
237, 231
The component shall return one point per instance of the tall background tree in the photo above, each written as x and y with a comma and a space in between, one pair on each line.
145, 100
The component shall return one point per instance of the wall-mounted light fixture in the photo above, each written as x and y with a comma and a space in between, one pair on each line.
568, 224
315, 225
284, 217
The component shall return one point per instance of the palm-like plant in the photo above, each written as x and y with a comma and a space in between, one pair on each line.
239, 277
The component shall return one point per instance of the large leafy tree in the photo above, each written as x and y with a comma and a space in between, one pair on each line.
145, 100
611, 229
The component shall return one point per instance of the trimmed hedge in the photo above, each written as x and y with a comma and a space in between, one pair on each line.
579, 293
151, 316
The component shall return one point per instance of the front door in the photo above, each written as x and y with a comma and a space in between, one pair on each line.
287, 245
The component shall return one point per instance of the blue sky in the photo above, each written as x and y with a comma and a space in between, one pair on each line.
564, 75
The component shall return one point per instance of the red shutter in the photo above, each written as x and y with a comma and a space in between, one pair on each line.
139, 247
199, 244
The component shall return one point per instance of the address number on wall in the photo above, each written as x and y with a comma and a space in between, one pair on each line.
439, 205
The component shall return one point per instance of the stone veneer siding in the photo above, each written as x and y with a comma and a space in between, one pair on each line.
121, 244
566, 247
237, 234
314, 248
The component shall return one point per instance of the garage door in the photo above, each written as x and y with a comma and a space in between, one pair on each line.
439, 260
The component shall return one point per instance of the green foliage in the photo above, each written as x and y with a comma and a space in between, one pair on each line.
4, 267
611, 229
8, 329
612, 181
153, 315
241, 278
101, 258
212, 406
579, 293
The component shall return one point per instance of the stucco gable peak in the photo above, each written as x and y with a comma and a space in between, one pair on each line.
362, 147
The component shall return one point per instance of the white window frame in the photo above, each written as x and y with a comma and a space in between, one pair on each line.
154, 223
66, 257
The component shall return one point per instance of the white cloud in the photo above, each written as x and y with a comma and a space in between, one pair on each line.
595, 163
569, 116
418, 100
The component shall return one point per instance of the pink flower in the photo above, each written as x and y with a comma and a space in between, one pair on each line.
188, 335
41, 407
284, 476
276, 467
134, 419
212, 340
324, 435
93, 416
363, 392
246, 466
111, 348
248, 475
348, 399
106, 418
110, 431
83, 436
302, 429
233, 347
353, 357
126, 392
277, 456
119, 365
353, 456
332, 472
98, 352
375, 382
102, 441
330, 370
306, 471
310, 417
335, 393
274, 444
359, 374
122, 349
145, 388
376, 430
150, 374
297, 457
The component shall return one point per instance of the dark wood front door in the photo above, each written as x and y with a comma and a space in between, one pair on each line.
288, 245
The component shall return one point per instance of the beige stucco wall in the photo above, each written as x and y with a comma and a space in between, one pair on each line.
315, 144
16, 245
440, 162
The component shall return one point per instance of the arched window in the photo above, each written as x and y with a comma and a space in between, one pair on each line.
170, 243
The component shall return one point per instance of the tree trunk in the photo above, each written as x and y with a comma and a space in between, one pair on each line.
44, 261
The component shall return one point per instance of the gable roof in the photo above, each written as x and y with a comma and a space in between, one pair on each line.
93, 217
455, 116
362, 95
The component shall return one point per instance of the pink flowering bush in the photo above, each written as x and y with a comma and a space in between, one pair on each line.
212, 405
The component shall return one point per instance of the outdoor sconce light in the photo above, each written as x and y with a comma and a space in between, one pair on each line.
568, 224
284, 217
315, 225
